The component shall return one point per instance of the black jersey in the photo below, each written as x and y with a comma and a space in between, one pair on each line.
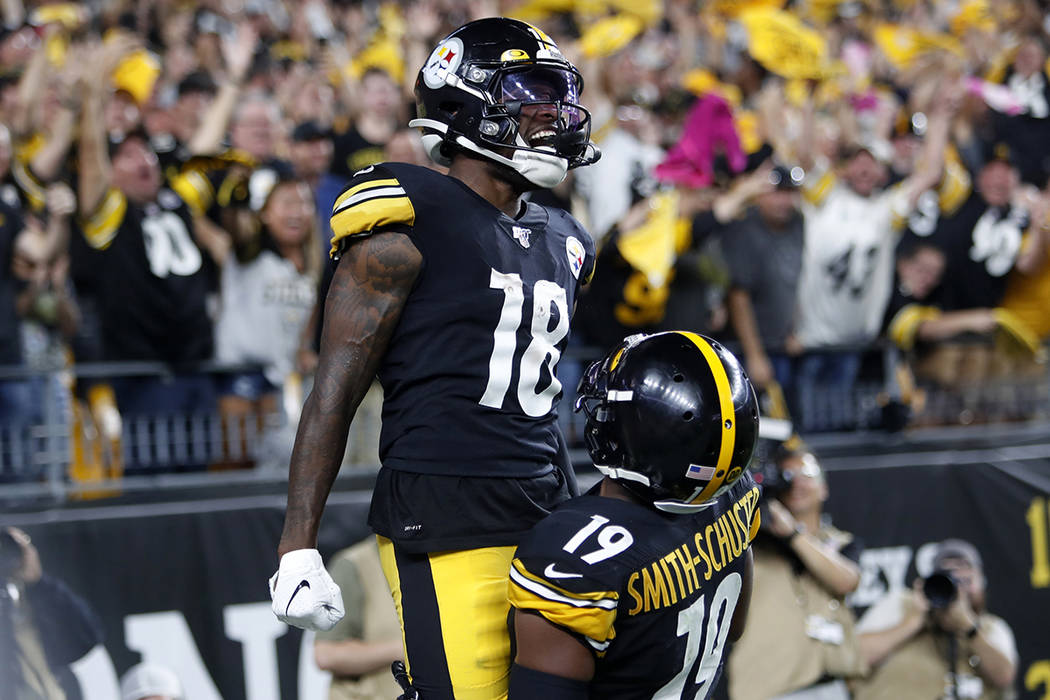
150, 279
650, 594
469, 374
981, 244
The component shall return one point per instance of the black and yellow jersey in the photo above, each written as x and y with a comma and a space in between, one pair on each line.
469, 375
650, 594
209, 184
144, 269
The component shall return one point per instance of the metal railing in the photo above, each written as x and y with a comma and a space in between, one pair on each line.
67, 453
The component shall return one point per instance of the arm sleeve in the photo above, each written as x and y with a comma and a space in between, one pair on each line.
68, 627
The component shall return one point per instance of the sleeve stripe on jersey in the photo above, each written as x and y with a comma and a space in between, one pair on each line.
368, 195
29, 184
815, 193
591, 619
606, 600
368, 216
341, 202
101, 227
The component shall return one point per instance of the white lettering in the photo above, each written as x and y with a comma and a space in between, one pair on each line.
256, 628
164, 638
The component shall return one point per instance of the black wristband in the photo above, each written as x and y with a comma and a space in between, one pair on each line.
528, 684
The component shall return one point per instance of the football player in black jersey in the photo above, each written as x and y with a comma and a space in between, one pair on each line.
633, 590
457, 294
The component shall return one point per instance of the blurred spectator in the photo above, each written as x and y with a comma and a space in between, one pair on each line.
148, 681
379, 115
1028, 285
138, 259
799, 623
196, 93
255, 130
268, 286
638, 256
847, 264
1027, 128
985, 243
311, 152
358, 651
982, 240
764, 255
44, 626
630, 149
928, 642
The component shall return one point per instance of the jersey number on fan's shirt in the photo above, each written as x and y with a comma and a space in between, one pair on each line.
541, 350
691, 624
169, 247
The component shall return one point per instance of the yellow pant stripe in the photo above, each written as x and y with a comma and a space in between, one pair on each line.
471, 588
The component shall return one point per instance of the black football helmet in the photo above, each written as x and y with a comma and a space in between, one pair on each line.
670, 416
471, 91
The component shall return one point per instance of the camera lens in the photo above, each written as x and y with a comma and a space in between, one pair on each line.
940, 589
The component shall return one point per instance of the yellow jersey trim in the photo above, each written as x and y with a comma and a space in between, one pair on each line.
102, 226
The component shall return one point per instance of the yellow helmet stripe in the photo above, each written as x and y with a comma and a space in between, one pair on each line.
725, 403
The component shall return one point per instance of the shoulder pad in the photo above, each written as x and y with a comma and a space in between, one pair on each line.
373, 200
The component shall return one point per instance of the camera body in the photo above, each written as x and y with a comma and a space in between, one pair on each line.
773, 481
941, 589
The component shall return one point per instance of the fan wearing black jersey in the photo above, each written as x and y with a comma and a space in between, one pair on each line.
456, 293
632, 591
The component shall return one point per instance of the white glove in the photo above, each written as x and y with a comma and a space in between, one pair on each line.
303, 593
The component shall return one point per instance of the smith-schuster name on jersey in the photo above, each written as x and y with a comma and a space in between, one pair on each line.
652, 595
468, 377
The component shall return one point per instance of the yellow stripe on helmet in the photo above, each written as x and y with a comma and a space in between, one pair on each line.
728, 422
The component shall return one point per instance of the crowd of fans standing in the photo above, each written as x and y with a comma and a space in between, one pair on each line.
801, 179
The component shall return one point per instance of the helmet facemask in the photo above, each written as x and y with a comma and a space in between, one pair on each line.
490, 124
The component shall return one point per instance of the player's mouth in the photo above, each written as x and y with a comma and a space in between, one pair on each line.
542, 137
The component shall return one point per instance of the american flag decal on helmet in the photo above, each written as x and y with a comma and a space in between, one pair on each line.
698, 472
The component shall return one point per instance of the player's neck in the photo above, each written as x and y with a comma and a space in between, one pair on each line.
611, 489
497, 192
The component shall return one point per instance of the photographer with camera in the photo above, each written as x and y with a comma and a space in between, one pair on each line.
44, 626
936, 640
799, 624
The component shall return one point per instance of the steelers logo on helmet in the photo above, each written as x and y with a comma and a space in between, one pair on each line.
670, 416
443, 61
487, 79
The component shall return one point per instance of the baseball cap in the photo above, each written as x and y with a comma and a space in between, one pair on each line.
878, 149
999, 151
310, 131
956, 549
146, 679
197, 81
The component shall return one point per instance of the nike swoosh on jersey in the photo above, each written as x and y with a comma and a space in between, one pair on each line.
551, 572
302, 584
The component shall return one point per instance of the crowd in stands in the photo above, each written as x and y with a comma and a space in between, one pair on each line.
805, 180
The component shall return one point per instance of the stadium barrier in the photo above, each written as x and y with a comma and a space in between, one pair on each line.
182, 580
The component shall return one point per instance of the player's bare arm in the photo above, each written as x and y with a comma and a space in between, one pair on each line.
543, 646
369, 289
